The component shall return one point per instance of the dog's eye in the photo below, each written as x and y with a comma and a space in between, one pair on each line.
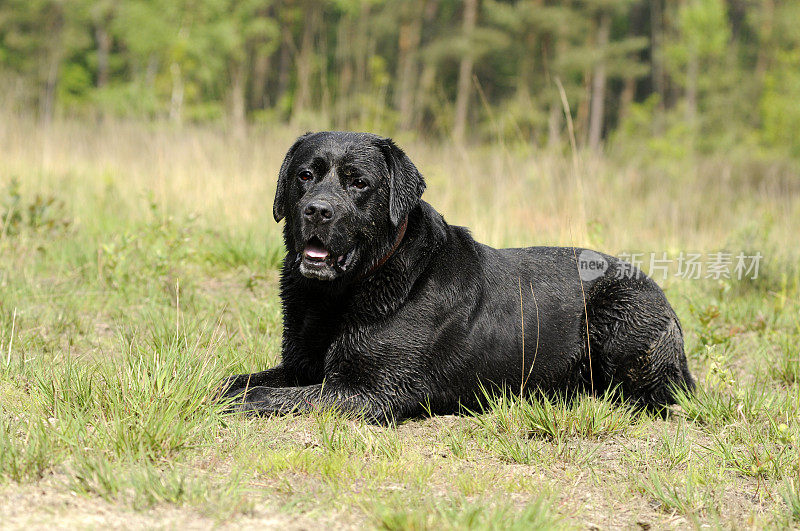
305, 175
360, 184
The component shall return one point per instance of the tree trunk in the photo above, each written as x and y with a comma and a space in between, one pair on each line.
261, 62
376, 92
344, 58
176, 99
51, 63
582, 113
361, 42
325, 99
305, 65
599, 84
103, 52
407, 65
638, 27
765, 38
626, 98
258, 89
692, 72
581, 122
657, 64
287, 48
423, 100
150, 71
554, 125
549, 43
237, 99
465, 73
47, 105
526, 68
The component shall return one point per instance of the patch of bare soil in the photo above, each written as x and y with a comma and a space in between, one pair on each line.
48, 505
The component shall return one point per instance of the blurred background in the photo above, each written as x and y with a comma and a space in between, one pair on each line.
617, 124
671, 76
140, 142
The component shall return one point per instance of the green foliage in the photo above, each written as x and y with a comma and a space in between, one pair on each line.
704, 30
148, 404
512, 426
676, 77
684, 493
751, 452
721, 407
784, 364
152, 251
458, 514
18, 214
25, 449
106, 376
647, 133
791, 495
146, 485
778, 105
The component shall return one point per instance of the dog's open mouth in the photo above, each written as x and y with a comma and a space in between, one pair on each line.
315, 256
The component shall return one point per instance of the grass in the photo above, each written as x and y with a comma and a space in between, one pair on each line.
138, 266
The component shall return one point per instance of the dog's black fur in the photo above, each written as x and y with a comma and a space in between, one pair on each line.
390, 312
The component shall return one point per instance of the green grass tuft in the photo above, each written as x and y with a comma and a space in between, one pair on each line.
130, 287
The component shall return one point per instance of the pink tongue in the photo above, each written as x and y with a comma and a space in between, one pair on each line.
316, 253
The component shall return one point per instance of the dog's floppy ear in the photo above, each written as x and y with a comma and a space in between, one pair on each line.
283, 179
405, 181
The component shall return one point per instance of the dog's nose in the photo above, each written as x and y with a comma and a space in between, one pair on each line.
318, 211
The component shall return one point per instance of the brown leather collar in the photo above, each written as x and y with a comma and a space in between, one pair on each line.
400, 234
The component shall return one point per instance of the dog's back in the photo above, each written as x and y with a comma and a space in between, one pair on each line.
562, 295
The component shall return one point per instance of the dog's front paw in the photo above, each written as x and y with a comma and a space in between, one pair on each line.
252, 401
233, 385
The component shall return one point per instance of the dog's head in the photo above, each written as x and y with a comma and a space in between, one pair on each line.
344, 196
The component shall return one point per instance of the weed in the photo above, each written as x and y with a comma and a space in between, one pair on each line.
26, 449
144, 485
686, 495
785, 365
43, 213
708, 328
158, 249
515, 427
333, 431
456, 439
119, 316
720, 407
791, 496
460, 514
673, 446
757, 457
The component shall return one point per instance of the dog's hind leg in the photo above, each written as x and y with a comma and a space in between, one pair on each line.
636, 342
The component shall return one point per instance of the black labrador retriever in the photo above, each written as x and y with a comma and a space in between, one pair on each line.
389, 312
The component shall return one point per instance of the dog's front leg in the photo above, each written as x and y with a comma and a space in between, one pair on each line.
234, 385
284, 400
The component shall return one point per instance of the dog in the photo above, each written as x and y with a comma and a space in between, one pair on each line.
391, 313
